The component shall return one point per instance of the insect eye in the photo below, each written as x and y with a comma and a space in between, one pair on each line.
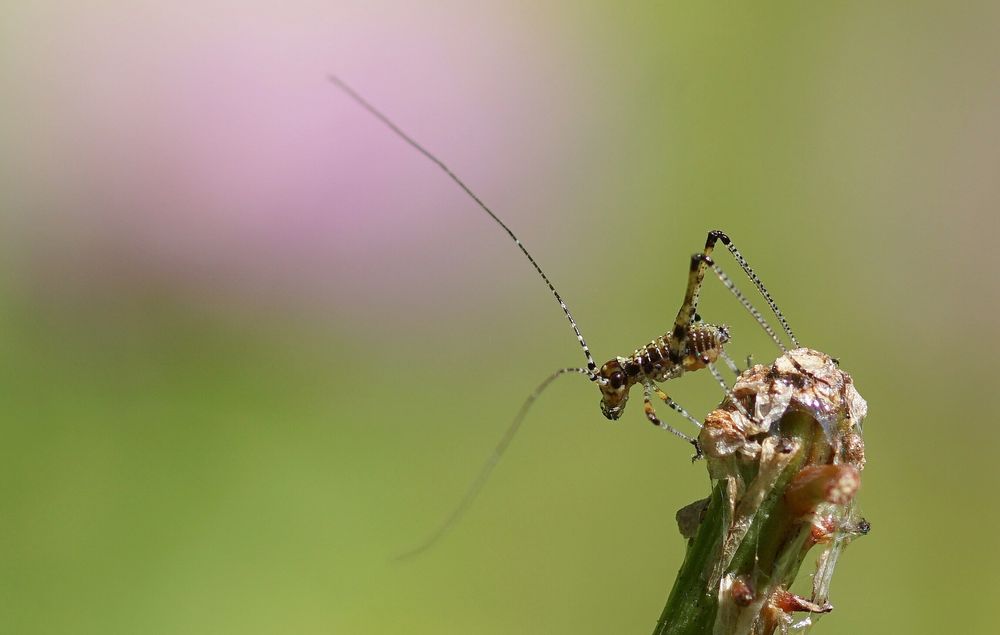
617, 379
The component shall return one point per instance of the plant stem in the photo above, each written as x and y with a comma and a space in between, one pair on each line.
781, 486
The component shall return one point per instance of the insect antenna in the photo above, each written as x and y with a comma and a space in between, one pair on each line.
339, 83
487, 469
484, 473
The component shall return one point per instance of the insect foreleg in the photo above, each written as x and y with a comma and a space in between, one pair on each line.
676, 407
647, 390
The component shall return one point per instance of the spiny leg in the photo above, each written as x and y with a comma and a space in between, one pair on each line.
730, 363
676, 407
729, 393
651, 413
689, 308
484, 472
717, 235
688, 312
729, 284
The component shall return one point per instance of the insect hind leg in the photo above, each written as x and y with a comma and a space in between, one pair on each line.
719, 236
731, 286
688, 313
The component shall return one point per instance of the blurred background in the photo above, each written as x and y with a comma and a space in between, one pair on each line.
253, 345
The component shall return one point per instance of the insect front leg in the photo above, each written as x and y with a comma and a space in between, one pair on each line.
647, 390
676, 407
650, 388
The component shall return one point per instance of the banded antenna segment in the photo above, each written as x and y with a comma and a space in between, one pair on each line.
339, 83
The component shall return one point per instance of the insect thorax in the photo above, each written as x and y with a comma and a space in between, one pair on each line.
654, 362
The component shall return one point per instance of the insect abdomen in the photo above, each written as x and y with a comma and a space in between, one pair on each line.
704, 345
651, 361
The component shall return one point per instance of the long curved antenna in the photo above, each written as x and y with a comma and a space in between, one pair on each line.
339, 83
484, 472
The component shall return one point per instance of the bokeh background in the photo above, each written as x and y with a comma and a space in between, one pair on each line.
253, 345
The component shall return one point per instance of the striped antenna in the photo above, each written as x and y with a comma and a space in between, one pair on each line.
339, 83
487, 469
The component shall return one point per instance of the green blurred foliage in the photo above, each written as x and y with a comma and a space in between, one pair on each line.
177, 465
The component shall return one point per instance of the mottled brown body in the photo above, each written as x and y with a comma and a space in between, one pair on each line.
654, 363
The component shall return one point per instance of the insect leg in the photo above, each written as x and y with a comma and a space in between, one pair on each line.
678, 408
729, 393
729, 284
730, 363
689, 308
647, 390
716, 235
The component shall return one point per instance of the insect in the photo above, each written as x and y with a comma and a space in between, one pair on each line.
689, 345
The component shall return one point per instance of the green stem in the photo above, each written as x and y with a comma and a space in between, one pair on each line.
767, 557
691, 607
